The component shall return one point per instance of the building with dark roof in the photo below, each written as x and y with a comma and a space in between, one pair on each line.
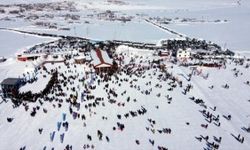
10, 86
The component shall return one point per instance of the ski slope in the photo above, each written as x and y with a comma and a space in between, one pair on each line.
180, 114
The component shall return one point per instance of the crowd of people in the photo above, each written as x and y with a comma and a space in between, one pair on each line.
77, 88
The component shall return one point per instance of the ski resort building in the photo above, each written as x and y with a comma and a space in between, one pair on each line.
82, 59
164, 53
101, 61
26, 57
54, 59
183, 54
9, 86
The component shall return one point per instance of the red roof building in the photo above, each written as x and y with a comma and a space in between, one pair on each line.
102, 62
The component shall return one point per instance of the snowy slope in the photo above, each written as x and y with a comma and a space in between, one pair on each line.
168, 108
181, 114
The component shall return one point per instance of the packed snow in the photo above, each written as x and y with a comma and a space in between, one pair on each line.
148, 90
151, 100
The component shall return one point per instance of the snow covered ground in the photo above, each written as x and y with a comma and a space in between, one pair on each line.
232, 34
167, 108
36, 86
13, 68
12, 42
106, 30
166, 105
